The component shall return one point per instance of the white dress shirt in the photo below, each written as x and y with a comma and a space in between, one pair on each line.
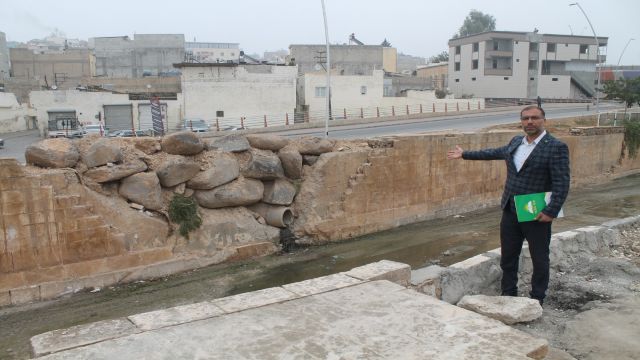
525, 149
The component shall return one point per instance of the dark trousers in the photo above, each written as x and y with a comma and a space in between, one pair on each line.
512, 235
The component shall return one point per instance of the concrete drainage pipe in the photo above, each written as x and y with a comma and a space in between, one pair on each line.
279, 216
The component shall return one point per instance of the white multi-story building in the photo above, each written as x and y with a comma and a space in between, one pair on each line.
206, 52
505, 64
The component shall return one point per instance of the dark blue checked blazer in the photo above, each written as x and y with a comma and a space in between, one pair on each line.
546, 169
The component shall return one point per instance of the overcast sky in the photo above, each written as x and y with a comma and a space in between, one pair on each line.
415, 27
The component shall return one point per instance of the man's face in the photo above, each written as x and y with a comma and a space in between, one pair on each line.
532, 122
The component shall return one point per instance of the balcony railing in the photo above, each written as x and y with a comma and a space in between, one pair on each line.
498, 72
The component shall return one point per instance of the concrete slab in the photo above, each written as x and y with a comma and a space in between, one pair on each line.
370, 320
321, 284
175, 315
253, 299
383, 270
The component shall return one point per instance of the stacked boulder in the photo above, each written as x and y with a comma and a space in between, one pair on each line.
258, 172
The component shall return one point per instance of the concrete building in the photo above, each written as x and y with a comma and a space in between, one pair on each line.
62, 70
437, 74
4, 57
229, 91
205, 52
505, 64
145, 55
345, 59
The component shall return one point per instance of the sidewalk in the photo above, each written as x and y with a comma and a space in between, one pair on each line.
349, 315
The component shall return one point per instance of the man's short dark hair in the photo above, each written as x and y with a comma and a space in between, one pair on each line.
533, 107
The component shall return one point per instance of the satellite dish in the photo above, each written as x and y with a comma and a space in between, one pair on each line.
53, 87
317, 67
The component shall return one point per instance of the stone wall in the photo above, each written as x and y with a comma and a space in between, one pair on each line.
408, 179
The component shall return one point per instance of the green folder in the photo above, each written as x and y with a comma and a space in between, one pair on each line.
528, 206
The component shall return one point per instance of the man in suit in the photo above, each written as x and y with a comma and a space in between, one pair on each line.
536, 162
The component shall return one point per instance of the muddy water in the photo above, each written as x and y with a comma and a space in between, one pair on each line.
444, 241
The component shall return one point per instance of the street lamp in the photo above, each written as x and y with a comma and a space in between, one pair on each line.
597, 60
625, 48
328, 68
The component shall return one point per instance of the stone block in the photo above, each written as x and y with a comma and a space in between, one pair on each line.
393, 271
25, 295
622, 223
254, 250
155, 256
469, 277
254, 299
24, 259
427, 280
84, 244
592, 238
85, 268
63, 339
57, 288
43, 275
611, 237
66, 201
175, 315
5, 298
507, 309
321, 284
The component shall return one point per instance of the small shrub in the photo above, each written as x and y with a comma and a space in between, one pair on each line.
184, 212
632, 136
441, 94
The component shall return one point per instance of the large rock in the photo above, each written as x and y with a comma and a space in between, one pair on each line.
291, 162
236, 193
146, 144
267, 141
229, 143
225, 230
104, 174
102, 152
176, 170
182, 143
314, 146
310, 159
508, 309
144, 189
52, 153
278, 192
223, 170
263, 165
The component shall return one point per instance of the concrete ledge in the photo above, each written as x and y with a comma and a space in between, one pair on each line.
393, 271
253, 299
63, 339
175, 315
321, 284
469, 277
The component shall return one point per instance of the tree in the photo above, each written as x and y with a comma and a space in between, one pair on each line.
476, 22
626, 91
442, 57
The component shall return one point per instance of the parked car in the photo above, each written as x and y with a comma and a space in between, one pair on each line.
128, 133
195, 125
1, 143
95, 129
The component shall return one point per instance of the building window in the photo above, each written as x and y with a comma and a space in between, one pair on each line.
457, 80
494, 63
551, 47
584, 49
531, 79
321, 91
506, 78
219, 113
495, 45
476, 47
554, 79
533, 64
458, 50
474, 64
533, 47
222, 54
457, 66
363, 90
473, 79
517, 60
232, 54
201, 75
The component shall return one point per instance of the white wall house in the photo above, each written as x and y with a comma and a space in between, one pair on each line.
504, 64
13, 116
347, 91
116, 110
205, 52
229, 91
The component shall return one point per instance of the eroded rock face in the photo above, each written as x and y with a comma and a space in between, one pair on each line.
52, 153
102, 152
310, 159
144, 189
230, 143
291, 162
177, 170
508, 309
104, 174
314, 146
223, 170
267, 141
182, 143
278, 192
147, 145
239, 192
263, 165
